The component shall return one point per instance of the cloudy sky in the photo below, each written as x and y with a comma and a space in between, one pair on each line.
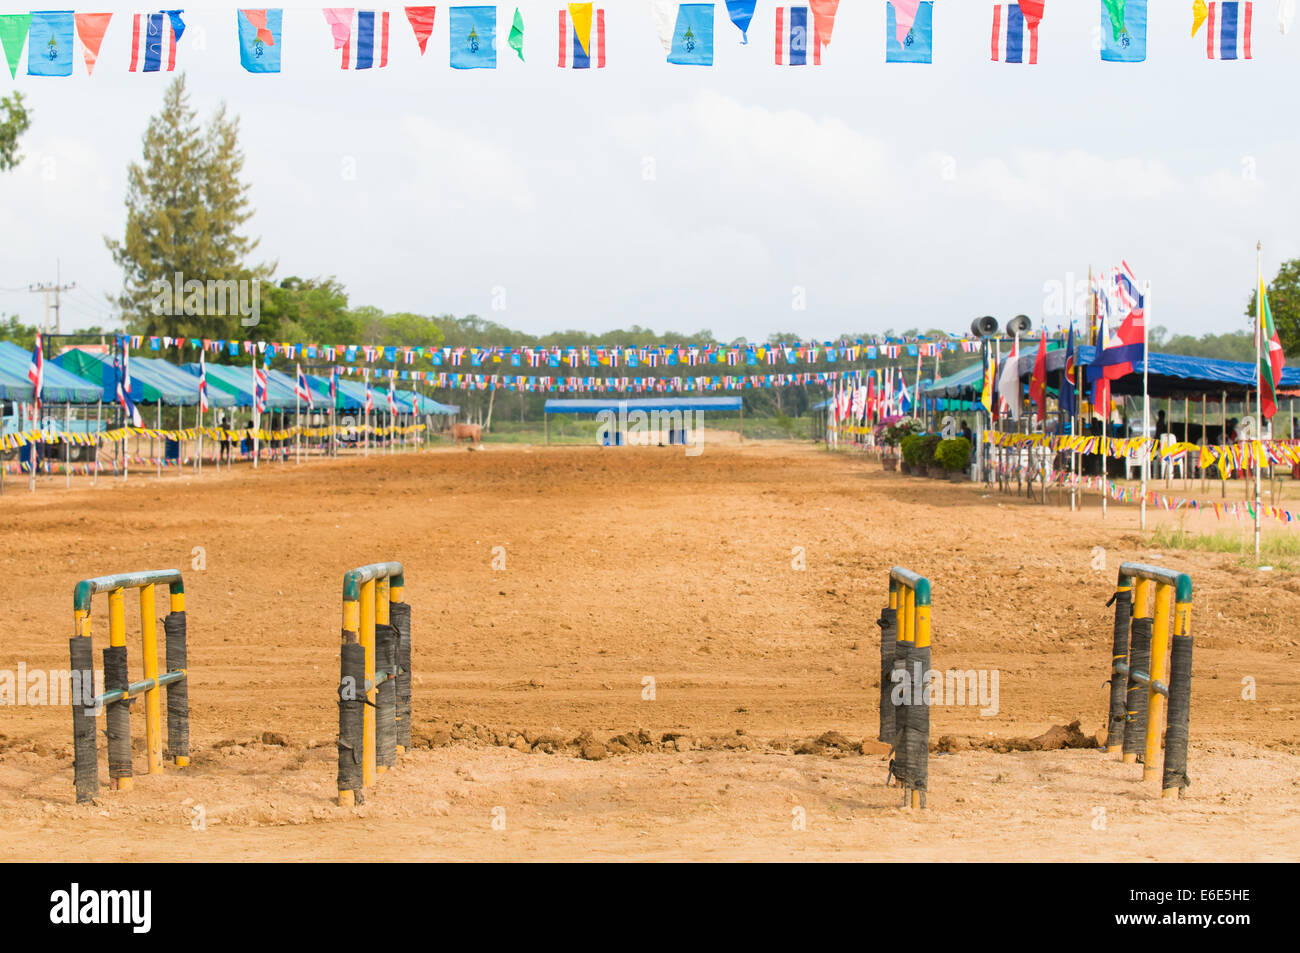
745, 198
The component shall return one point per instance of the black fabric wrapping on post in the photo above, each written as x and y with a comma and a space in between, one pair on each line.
385, 695
85, 754
888, 623
178, 693
1139, 660
916, 723
352, 701
1180, 711
898, 765
1119, 652
399, 614
117, 716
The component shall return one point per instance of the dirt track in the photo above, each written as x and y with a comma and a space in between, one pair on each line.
622, 565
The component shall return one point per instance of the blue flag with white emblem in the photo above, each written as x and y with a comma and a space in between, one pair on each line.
474, 37
49, 46
260, 40
917, 44
1123, 31
692, 41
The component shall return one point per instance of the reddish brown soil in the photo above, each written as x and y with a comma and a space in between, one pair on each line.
622, 565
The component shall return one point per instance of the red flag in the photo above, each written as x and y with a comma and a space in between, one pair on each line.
91, 28
1038, 383
421, 19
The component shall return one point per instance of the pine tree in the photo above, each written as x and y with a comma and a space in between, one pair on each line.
185, 206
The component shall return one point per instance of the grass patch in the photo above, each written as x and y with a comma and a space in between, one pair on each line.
1277, 549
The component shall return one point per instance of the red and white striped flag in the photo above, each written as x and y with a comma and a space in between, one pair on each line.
36, 372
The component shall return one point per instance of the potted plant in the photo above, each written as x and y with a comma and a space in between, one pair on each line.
954, 456
911, 449
929, 444
890, 434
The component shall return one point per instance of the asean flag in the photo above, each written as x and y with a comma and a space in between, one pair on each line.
582, 37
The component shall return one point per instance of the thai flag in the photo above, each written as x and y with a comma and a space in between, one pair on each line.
362, 35
301, 390
153, 41
122, 367
370, 401
392, 398
582, 37
203, 385
1227, 34
36, 372
794, 36
259, 389
1126, 288
1015, 32
903, 398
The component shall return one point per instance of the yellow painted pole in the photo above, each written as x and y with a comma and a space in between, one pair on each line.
351, 635
1182, 626
152, 708
381, 618
1159, 673
920, 630
117, 638
381, 601
908, 626
367, 634
1141, 603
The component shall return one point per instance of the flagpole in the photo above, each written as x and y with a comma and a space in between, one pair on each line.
1146, 397
1259, 377
257, 415
297, 422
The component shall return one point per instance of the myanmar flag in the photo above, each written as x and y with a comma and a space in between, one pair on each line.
1271, 357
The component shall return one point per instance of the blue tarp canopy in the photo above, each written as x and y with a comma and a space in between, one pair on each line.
152, 379
60, 386
188, 382
238, 382
644, 404
1171, 375
13, 387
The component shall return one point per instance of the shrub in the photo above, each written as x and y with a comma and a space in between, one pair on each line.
953, 454
929, 444
911, 447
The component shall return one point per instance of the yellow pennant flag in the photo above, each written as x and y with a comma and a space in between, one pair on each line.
1199, 13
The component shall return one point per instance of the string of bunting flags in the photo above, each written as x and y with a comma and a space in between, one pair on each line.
582, 34
574, 356
1230, 458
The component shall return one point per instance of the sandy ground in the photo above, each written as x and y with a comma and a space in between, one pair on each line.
621, 566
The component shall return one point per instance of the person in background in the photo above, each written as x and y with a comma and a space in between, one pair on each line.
223, 454
966, 432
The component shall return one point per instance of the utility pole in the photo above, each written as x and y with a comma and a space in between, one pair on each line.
52, 289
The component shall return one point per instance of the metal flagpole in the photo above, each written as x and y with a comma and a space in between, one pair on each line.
1146, 397
94, 473
67, 447
297, 424
158, 459
257, 416
1259, 380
